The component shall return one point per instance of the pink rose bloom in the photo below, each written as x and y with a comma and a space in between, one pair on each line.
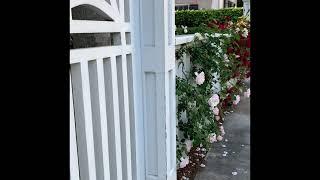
223, 133
247, 93
214, 100
188, 145
212, 138
184, 162
200, 78
222, 130
235, 102
215, 111
219, 138
217, 118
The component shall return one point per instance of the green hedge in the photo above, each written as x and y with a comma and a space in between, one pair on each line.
196, 18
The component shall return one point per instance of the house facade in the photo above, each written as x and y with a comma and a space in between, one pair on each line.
204, 4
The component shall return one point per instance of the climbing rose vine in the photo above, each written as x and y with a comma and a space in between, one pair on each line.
220, 62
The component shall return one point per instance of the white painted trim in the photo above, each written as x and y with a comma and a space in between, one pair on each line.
114, 4
136, 36
121, 9
84, 26
101, 4
85, 54
183, 39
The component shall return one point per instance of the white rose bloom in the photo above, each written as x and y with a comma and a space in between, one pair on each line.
199, 36
237, 30
226, 59
213, 45
215, 35
245, 32
188, 145
185, 30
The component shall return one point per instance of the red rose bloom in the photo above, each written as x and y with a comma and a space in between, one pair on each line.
230, 90
242, 42
249, 43
246, 53
222, 26
248, 75
238, 52
230, 50
246, 63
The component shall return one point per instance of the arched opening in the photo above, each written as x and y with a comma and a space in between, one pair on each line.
89, 12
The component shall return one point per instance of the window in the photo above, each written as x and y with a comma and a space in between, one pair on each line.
182, 7
239, 3
194, 6
187, 7
228, 3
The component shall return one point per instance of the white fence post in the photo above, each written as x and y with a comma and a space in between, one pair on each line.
246, 7
158, 72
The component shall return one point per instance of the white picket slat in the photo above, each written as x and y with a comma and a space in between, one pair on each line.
116, 117
124, 105
88, 120
74, 163
103, 114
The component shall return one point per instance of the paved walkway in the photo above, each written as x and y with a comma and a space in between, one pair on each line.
237, 128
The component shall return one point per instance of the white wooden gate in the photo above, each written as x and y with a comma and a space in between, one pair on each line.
101, 100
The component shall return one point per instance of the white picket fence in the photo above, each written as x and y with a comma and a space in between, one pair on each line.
100, 104
183, 40
122, 100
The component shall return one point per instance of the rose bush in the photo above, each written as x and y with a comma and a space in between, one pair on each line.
220, 62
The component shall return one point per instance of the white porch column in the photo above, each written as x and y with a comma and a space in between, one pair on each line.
158, 77
246, 7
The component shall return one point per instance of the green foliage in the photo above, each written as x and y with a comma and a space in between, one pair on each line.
209, 53
198, 18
